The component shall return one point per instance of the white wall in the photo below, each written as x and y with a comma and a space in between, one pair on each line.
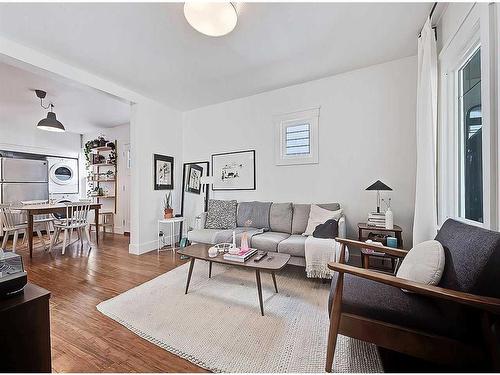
155, 129
367, 132
120, 134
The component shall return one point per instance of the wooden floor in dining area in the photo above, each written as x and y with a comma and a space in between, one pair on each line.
83, 339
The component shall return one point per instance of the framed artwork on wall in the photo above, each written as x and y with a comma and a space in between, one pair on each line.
195, 172
234, 170
163, 172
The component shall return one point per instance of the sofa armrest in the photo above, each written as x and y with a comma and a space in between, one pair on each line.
342, 227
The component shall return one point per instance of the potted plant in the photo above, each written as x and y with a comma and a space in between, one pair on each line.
168, 211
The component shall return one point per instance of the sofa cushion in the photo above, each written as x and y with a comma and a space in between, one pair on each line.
203, 235
253, 214
391, 305
317, 216
268, 241
301, 215
329, 229
293, 245
280, 217
221, 214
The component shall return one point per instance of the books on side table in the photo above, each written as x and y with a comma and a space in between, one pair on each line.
376, 219
241, 257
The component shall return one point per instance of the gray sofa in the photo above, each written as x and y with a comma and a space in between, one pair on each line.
283, 225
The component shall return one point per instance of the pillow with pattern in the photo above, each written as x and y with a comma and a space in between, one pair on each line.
221, 214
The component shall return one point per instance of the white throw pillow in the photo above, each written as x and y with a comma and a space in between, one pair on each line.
317, 216
424, 263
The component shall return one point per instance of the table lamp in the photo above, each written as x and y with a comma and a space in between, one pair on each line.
378, 186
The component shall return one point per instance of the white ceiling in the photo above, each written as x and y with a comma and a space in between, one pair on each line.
80, 109
150, 48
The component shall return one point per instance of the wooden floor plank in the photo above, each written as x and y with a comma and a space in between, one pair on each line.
83, 339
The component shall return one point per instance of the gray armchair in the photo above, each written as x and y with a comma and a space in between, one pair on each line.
454, 322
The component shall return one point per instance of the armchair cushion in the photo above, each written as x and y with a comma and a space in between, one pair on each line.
391, 305
472, 258
424, 263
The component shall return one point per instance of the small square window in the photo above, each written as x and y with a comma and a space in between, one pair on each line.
297, 137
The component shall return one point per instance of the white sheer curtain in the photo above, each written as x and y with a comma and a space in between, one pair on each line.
425, 219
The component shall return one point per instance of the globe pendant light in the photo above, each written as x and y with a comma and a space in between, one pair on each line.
212, 19
50, 123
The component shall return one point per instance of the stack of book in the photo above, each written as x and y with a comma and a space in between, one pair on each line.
241, 257
376, 219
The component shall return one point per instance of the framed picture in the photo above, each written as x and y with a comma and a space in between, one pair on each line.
234, 170
194, 179
164, 172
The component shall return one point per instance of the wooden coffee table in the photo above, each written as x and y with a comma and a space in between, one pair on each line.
271, 263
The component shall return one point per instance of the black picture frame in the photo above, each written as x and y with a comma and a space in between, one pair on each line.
159, 162
188, 187
222, 155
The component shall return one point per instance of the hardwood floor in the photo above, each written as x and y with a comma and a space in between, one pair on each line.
83, 339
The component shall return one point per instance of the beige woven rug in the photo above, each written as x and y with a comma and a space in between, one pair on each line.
218, 325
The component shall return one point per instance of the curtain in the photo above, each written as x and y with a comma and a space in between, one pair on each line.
425, 219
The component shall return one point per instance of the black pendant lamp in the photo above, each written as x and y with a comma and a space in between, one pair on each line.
50, 123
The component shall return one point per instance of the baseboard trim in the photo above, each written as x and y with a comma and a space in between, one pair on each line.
146, 247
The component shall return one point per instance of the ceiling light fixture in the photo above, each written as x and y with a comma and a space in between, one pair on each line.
50, 123
212, 19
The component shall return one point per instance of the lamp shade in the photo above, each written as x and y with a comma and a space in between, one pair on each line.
50, 123
378, 185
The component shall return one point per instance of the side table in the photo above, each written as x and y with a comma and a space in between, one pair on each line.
364, 229
172, 223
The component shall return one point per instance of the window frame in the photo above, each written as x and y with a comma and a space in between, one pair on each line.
282, 122
473, 33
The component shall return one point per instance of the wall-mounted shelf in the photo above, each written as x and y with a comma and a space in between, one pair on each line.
103, 165
103, 196
96, 150
102, 180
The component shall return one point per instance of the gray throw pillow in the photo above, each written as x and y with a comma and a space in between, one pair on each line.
221, 214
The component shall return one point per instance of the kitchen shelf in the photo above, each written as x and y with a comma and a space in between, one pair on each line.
100, 149
102, 180
103, 165
103, 196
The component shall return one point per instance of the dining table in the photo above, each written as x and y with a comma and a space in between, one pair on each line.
50, 208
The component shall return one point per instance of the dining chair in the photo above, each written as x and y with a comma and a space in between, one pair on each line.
45, 220
13, 223
75, 218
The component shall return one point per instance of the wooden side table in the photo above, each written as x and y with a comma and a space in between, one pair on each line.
364, 229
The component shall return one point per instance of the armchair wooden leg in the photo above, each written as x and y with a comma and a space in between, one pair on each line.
334, 322
491, 341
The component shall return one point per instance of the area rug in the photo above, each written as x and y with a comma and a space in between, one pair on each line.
218, 324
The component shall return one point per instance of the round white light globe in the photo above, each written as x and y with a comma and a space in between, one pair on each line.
212, 19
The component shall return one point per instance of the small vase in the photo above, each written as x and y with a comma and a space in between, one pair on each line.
168, 213
244, 242
389, 219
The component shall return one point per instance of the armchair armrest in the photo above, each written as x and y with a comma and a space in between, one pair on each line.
399, 253
489, 304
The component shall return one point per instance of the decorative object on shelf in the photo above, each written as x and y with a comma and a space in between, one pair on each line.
50, 123
194, 179
163, 172
378, 186
392, 242
234, 170
211, 18
389, 216
168, 211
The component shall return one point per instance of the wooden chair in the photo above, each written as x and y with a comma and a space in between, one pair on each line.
75, 218
455, 322
45, 221
107, 219
13, 223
